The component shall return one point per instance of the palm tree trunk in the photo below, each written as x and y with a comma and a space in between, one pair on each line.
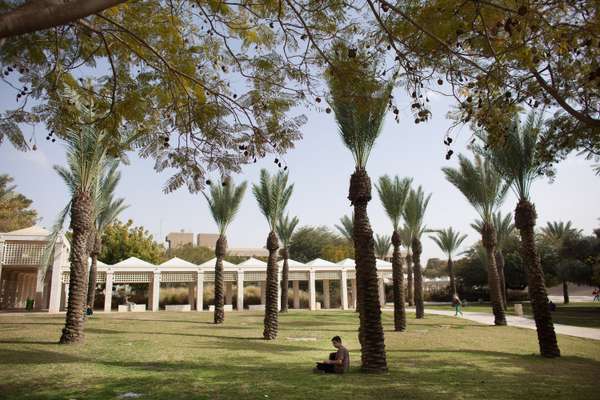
284, 280
220, 251
565, 292
525, 217
370, 332
500, 265
91, 292
416, 256
271, 322
81, 223
409, 276
451, 274
398, 280
488, 237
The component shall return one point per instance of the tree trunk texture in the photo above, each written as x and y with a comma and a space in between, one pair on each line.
91, 292
500, 265
398, 281
373, 357
220, 251
451, 275
525, 217
488, 238
418, 276
81, 223
284, 280
271, 311
409, 285
565, 292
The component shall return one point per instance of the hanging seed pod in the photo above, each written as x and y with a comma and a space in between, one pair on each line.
414, 95
318, 99
303, 37
246, 153
279, 165
396, 111
255, 159
47, 137
34, 147
449, 140
328, 110
277, 161
208, 182
271, 25
53, 140
352, 52
440, 82
235, 96
417, 120
285, 168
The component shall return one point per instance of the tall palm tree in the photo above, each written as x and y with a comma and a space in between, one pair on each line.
224, 202
393, 194
272, 194
359, 100
504, 228
382, 246
449, 240
414, 214
87, 157
556, 233
485, 189
517, 161
406, 236
346, 227
106, 211
285, 230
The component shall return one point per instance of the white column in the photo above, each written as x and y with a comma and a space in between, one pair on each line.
354, 297
108, 291
381, 292
311, 290
326, 294
279, 291
60, 259
155, 291
66, 300
240, 290
39, 290
191, 292
344, 289
229, 293
296, 287
263, 292
200, 291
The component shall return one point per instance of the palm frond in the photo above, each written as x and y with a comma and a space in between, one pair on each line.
556, 232
224, 202
448, 240
393, 193
346, 228
414, 212
272, 195
285, 229
383, 243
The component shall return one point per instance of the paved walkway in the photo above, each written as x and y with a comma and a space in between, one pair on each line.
519, 322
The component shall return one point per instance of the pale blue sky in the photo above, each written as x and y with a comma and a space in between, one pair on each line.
319, 167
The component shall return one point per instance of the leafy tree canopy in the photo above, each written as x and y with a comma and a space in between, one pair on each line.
123, 240
14, 207
310, 242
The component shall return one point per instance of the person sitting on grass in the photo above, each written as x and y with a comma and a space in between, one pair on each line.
338, 363
457, 305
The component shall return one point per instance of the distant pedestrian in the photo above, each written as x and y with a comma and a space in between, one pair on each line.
596, 294
551, 306
457, 305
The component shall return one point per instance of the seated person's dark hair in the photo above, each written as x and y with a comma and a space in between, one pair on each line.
336, 339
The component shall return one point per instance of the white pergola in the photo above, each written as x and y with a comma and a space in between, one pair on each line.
22, 276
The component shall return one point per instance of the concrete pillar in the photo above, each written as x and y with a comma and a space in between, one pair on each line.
66, 299
296, 288
60, 258
240, 290
354, 297
263, 292
200, 291
228, 292
311, 291
39, 289
155, 291
326, 294
108, 291
191, 292
279, 291
381, 292
344, 290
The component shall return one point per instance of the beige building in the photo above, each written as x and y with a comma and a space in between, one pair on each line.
179, 239
207, 240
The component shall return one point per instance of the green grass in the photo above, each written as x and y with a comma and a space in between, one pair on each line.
576, 314
183, 356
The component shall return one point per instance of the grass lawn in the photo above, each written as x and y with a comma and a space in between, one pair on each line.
577, 314
183, 356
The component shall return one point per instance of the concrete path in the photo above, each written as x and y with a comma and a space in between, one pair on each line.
520, 322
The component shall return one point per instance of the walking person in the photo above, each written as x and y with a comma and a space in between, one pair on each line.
457, 305
596, 294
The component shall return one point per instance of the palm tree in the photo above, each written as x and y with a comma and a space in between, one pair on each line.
382, 246
414, 214
346, 227
556, 233
285, 230
393, 194
272, 195
106, 212
485, 189
224, 202
359, 100
504, 228
449, 240
87, 157
406, 234
517, 161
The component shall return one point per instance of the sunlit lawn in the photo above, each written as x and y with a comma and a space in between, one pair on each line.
183, 356
577, 314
